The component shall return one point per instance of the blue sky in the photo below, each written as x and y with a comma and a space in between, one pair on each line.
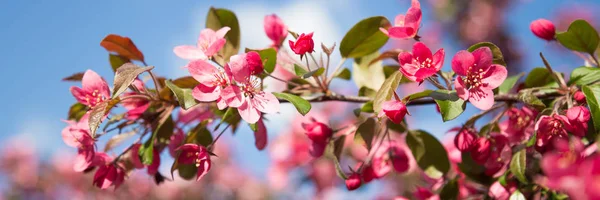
44, 41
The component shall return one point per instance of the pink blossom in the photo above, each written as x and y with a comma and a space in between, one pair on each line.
209, 43
254, 63
551, 128
520, 124
368, 174
304, 44
477, 77
481, 150
578, 118
389, 155
395, 110
197, 113
406, 26
215, 85
465, 139
543, 29
108, 175
275, 29
563, 160
317, 131
77, 134
84, 159
420, 64
175, 142
579, 97
422, 193
497, 191
135, 106
195, 154
353, 181
260, 135
137, 163
94, 89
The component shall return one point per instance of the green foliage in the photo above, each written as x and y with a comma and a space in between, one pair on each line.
366, 131
218, 18
125, 75
429, 153
518, 165
584, 76
76, 111
450, 105
344, 74
592, 96
509, 83
117, 61
184, 95
386, 91
364, 38
366, 73
581, 36
302, 105
540, 77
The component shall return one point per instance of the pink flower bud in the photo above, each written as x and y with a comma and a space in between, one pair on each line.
394, 110
579, 97
317, 131
464, 139
353, 182
368, 174
304, 44
481, 150
254, 63
578, 118
543, 29
275, 28
317, 149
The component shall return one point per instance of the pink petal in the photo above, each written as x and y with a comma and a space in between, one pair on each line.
260, 135
84, 159
79, 94
438, 59
232, 95
249, 113
402, 32
239, 69
205, 93
383, 30
494, 77
409, 71
482, 99
413, 18
483, 57
405, 58
207, 36
265, 102
93, 82
399, 20
203, 168
189, 52
461, 91
135, 158
202, 71
421, 52
222, 32
461, 62
423, 73
221, 104
215, 47
415, 4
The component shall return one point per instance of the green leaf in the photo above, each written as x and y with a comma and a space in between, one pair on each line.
338, 169
418, 95
367, 107
592, 96
344, 74
165, 131
335, 148
200, 135
367, 131
187, 172
253, 127
581, 36
584, 76
364, 38
540, 77
518, 165
125, 75
429, 153
366, 92
450, 190
388, 70
365, 74
76, 111
399, 128
146, 151
386, 91
517, 195
184, 95
509, 83
302, 105
527, 97
117, 61
450, 105
218, 18
498, 58
269, 59
299, 70
473, 170
316, 72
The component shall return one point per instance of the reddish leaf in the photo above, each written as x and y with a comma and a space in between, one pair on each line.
122, 46
74, 77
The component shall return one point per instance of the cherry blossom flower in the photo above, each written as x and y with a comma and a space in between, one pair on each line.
578, 118
579, 97
275, 29
209, 43
406, 26
135, 106
477, 77
197, 113
520, 124
389, 155
319, 133
77, 134
543, 28
353, 181
254, 63
215, 85
304, 44
108, 175
420, 63
176, 141
94, 89
395, 110
260, 135
137, 163
195, 154
465, 139
549, 128
481, 150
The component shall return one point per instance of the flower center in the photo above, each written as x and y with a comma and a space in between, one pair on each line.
250, 88
474, 77
555, 127
221, 79
94, 98
427, 63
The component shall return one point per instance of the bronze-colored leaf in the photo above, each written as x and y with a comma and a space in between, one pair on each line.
125, 75
75, 77
122, 46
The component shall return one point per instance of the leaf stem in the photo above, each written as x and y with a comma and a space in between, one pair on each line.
558, 79
595, 59
219, 136
435, 83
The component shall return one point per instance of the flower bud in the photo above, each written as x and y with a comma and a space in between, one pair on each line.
481, 150
304, 44
464, 139
275, 29
394, 110
317, 131
353, 182
543, 29
579, 97
254, 63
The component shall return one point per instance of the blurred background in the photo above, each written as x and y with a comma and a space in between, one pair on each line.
45, 41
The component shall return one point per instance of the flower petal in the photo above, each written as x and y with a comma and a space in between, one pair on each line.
482, 99
413, 18
405, 58
461, 62
232, 95
205, 93
189, 52
483, 57
222, 32
203, 168
265, 102
260, 135
494, 77
93, 82
215, 47
461, 91
421, 52
249, 113
79, 94
409, 71
399, 20
423, 73
438, 59
401, 32
202, 71
207, 36
239, 69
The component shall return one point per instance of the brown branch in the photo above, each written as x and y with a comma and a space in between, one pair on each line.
423, 101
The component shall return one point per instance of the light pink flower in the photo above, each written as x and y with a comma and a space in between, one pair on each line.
578, 118
197, 113
395, 111
215, 85
543, 29
389, 155
209, 43
353, 182
497, 191
406, 26
108, 175
420, 64
94, 89
195, 154
304, 44
84, 159
135, 106
77, 134
275, 29
549, 128
477, 77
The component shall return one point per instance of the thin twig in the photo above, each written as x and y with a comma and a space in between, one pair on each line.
219, 136
335, 71
156, 85
558, 79
279, 79
595, 59
435, 83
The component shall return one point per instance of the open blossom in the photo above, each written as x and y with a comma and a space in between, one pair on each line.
395, 110
94, 89
77, 134
319, 134
197, 155
578, 118
520, 124
420, 63
477, 77
353, 181
275, 29
406, 26
215, 85
209, 43
108, 175
135, 106
197, 113
549, 128
304, 44
481, 150
465, 139
543, 29
389, 155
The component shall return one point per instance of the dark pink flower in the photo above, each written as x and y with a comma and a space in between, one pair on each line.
481, 150
579, 97
94, 89
195, 154
543, 29
317, 149
520, 124
108, 175
215, 85
84, 159
353, 181
137, 163
135, 106
304, 44
420, 64
395, 110
477, 77
564, 159
275, 29
389, 155
317, 131
406, 26
465, 139
176, 141
550, 128
422, 193
368, 174
578, 118
260, 135
254, 63
209, 43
